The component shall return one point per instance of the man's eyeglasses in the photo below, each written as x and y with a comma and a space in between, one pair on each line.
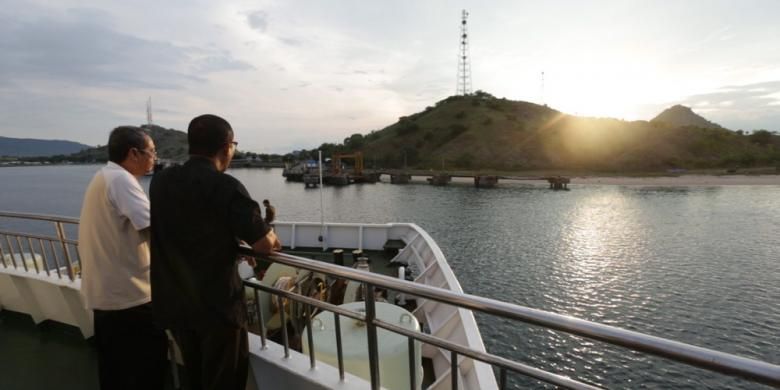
152, 152
235, 143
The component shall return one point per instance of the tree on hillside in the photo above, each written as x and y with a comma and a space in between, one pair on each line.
354, 142
761, 137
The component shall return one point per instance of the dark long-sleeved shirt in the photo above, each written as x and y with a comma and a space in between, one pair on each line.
198, 214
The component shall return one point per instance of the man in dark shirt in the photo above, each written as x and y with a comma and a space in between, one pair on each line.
199, 215
270, 212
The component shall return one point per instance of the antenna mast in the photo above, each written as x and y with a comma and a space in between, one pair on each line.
464, 66
149, 111
543, 103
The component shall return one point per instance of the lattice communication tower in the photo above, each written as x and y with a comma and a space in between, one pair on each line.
149, 111
464, 65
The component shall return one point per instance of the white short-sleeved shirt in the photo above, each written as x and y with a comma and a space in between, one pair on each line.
113, 246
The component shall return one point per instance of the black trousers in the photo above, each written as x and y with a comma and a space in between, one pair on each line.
215, 358
132, 351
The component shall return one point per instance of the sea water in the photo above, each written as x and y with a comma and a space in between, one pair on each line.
698, 264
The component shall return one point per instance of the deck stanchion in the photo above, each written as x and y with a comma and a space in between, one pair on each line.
502, 378
78, 257
21, 253
312, 360
454, 369
260, 320
32, 254
11, 251
412, 368
283, 321
2, 256
66, 252
373, 351
56, 258
339, 348
45, 258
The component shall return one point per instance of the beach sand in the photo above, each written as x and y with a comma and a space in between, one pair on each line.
682, 180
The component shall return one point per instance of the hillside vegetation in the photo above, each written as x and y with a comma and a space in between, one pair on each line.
678, 115
170, 144
483, 132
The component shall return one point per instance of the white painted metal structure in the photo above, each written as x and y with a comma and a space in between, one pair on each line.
430, 268
50, 294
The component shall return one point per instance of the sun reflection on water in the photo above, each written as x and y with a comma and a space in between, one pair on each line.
599, 247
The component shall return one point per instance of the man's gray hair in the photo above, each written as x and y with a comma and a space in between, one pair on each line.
124, 138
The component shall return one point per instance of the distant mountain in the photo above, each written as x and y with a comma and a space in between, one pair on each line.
481, 132
27, 147
679, 115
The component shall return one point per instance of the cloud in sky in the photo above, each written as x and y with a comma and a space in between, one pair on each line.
747, 107
81, 50
258, 20
296, 74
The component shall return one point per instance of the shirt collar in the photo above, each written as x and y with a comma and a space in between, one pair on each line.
113, 165
201, 162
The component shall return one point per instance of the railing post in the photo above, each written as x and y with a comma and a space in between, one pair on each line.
373, 350
61, 236
11, 251
310, 337
32, 254
2, 256
45, 258
260, 319
339, 348
454, 369
412, 368
283, 320
21, 253
56, 258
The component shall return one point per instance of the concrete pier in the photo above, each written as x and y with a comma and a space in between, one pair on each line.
441, 179
401, 178
485, 181
558, 182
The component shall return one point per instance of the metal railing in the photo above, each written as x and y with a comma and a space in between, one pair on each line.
17, 247
754, 370
720, 362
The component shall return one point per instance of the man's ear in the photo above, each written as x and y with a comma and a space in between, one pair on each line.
225, 150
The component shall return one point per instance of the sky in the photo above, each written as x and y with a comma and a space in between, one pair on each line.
294, 74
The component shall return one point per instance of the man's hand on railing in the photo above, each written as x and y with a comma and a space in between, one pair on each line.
269, 243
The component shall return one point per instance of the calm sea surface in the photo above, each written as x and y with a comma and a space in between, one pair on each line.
699, 265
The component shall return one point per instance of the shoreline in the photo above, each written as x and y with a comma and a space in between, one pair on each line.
757, 177
681, 180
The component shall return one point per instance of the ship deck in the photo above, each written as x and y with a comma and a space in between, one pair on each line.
44, 356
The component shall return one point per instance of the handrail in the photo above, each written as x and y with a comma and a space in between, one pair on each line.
63, 243
40, 217
712, 360
38, 237
429, 339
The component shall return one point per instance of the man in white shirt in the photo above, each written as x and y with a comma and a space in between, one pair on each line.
114, 252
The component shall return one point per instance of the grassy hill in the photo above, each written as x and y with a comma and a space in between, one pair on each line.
678, 115
483, 132
170, 144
